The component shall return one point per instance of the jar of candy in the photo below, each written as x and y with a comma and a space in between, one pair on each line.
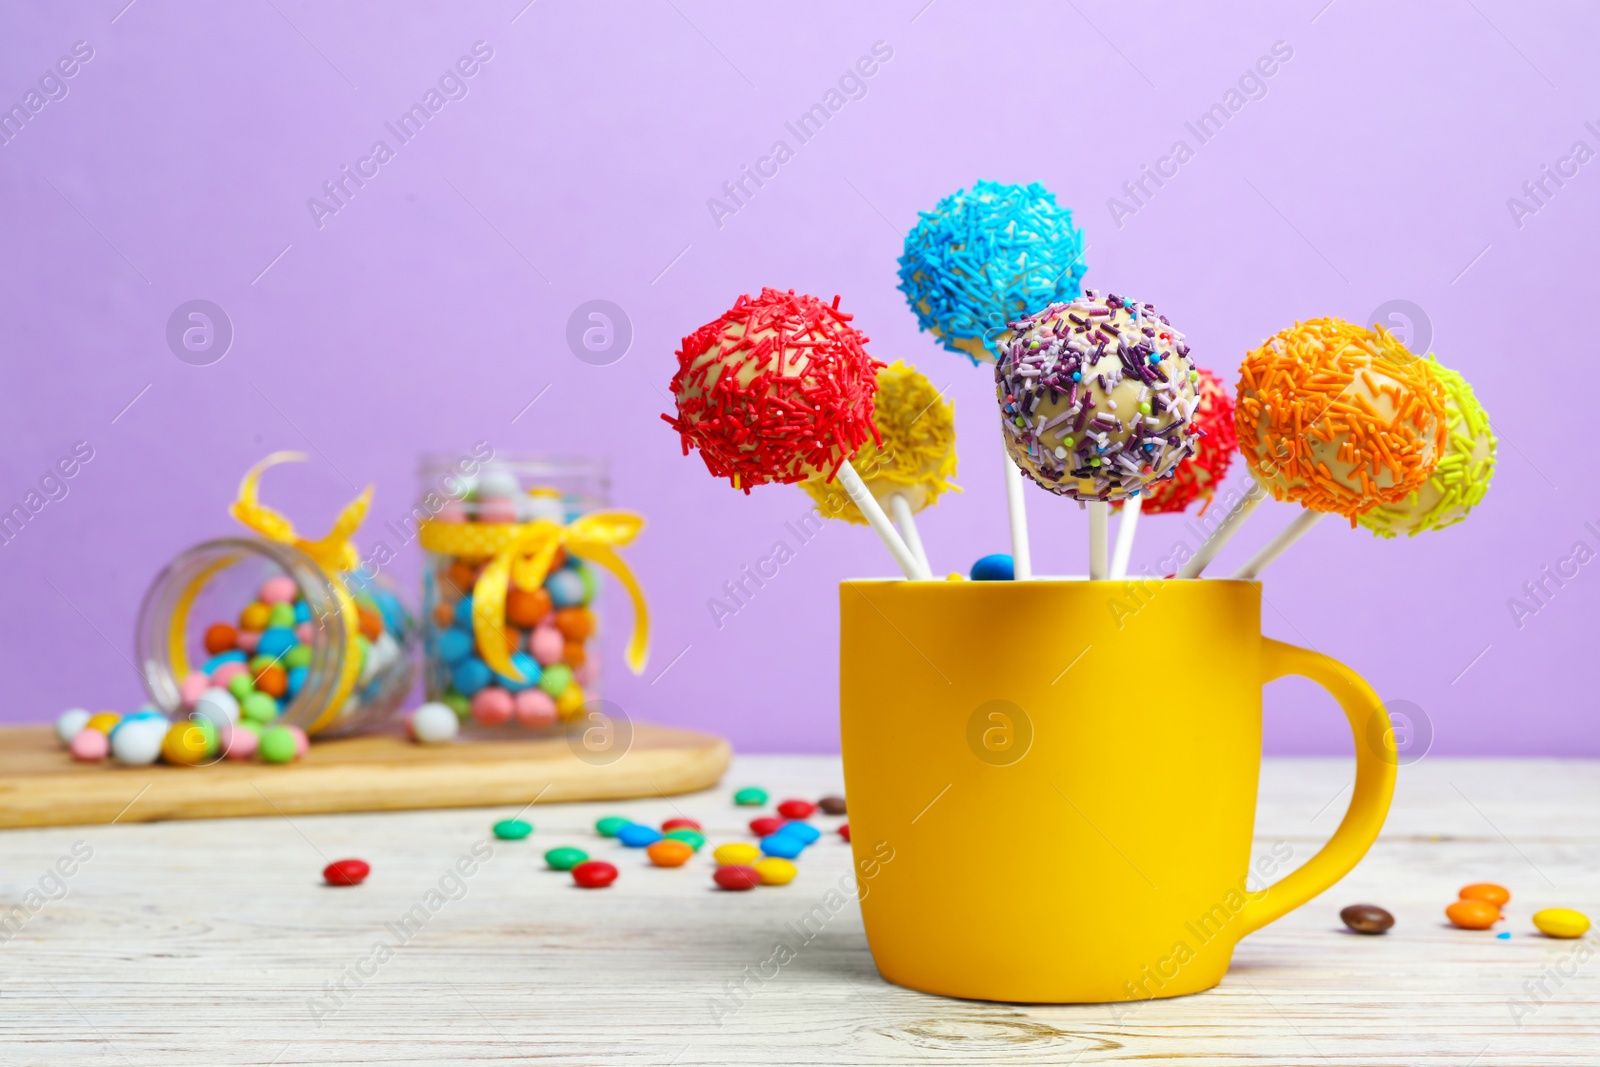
296, 632
514, 546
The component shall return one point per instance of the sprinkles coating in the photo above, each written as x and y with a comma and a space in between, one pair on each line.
1459, 482
1339, 418
916, 449
778, 388
1197, 477
1097, 397
983, 258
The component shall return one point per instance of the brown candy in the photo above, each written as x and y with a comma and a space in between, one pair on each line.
1366, 918
832, 805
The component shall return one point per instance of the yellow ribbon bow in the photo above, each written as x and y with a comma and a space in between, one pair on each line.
520, 554
334, 551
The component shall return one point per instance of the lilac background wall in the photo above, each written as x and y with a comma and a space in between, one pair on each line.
432, 308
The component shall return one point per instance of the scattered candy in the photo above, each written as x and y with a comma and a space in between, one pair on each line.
346, 872
512, 829
803, 832
782, 845
1367, 918
636, 836
750, 797
1498, 895
832, 805
1473, 914
70, 722
1561, 922
844, 831
796, 809
594, 874
104, 721
735, 854
680, 823
278, 744
766, 824
433, 723
240, 741
775, 871
89, 745
188, 744
737, 877
565, 858
995, 568
608, 826
137, 742
693, 838
669, 852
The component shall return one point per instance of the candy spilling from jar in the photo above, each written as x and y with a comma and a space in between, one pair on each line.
144, 736
549, 634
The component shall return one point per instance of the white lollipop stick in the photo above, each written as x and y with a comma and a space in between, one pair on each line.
908, 529
1099, 527
1224, 532
880, 523
1017, 512
1275, 547
1125, 531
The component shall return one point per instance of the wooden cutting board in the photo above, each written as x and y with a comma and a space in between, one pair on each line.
40, 785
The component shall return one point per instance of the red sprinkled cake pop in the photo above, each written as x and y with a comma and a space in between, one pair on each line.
776, 388
1197, 477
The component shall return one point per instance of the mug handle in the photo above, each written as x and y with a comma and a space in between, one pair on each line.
1376, 762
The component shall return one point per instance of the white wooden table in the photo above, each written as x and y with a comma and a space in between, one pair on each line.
215, 943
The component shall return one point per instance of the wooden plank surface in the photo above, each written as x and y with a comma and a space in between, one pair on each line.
213, 943
40, 785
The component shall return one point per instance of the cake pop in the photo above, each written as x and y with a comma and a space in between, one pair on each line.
1336, 418
1196, 478
1462, 476
777, 389
1097, 398
977, 261
910, 464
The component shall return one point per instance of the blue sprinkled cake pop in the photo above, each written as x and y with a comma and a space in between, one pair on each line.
981, 260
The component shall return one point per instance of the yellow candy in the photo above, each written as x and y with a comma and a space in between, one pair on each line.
736, 853
185, 744
255, 617
103, 721
775, 871
570, 700
1561, 922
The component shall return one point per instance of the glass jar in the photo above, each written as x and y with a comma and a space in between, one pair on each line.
550, 623
294, 642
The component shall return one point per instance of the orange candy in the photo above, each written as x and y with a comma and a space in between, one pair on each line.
670, 852
1498, 895
220, 637
573, 654
443, 615
370, 623
1473, 914
273, 680
575, 624
255, 617
526, 607
462, 576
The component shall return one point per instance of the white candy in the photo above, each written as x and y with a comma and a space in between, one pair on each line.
69, 722
380, 657
434, 723
219, 706
138, 742
497, 483
542, 507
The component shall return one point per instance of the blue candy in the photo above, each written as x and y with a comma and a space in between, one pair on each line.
297, 679
784, 846
995, 568
470, 675
276, 641
636, 836
565, 588
464, 612
529, 668
231, 656
804, 831
455, 644
302, 611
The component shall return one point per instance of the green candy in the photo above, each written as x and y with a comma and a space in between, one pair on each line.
457, 703
260, 663
241, 686
512, 829
258, 707
298, 656
591, 583
693, 838
209, 729
750, 797
246, 724
555, 679
608, 826
282, 615
565, 858
277, 745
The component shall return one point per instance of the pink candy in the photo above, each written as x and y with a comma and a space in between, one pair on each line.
89, 746
492, 705
193, 687
302, 743
278, 590
226, 673
305, 632
533, 707
546, 645
248, 640
238, 742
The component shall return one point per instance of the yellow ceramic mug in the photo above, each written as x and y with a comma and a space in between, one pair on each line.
1063, 778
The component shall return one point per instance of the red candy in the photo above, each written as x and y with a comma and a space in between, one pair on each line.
346, 872
680, 823
736, 877
796, 809
594, 874
808, 402
844, 831
765, 825
1197, 477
